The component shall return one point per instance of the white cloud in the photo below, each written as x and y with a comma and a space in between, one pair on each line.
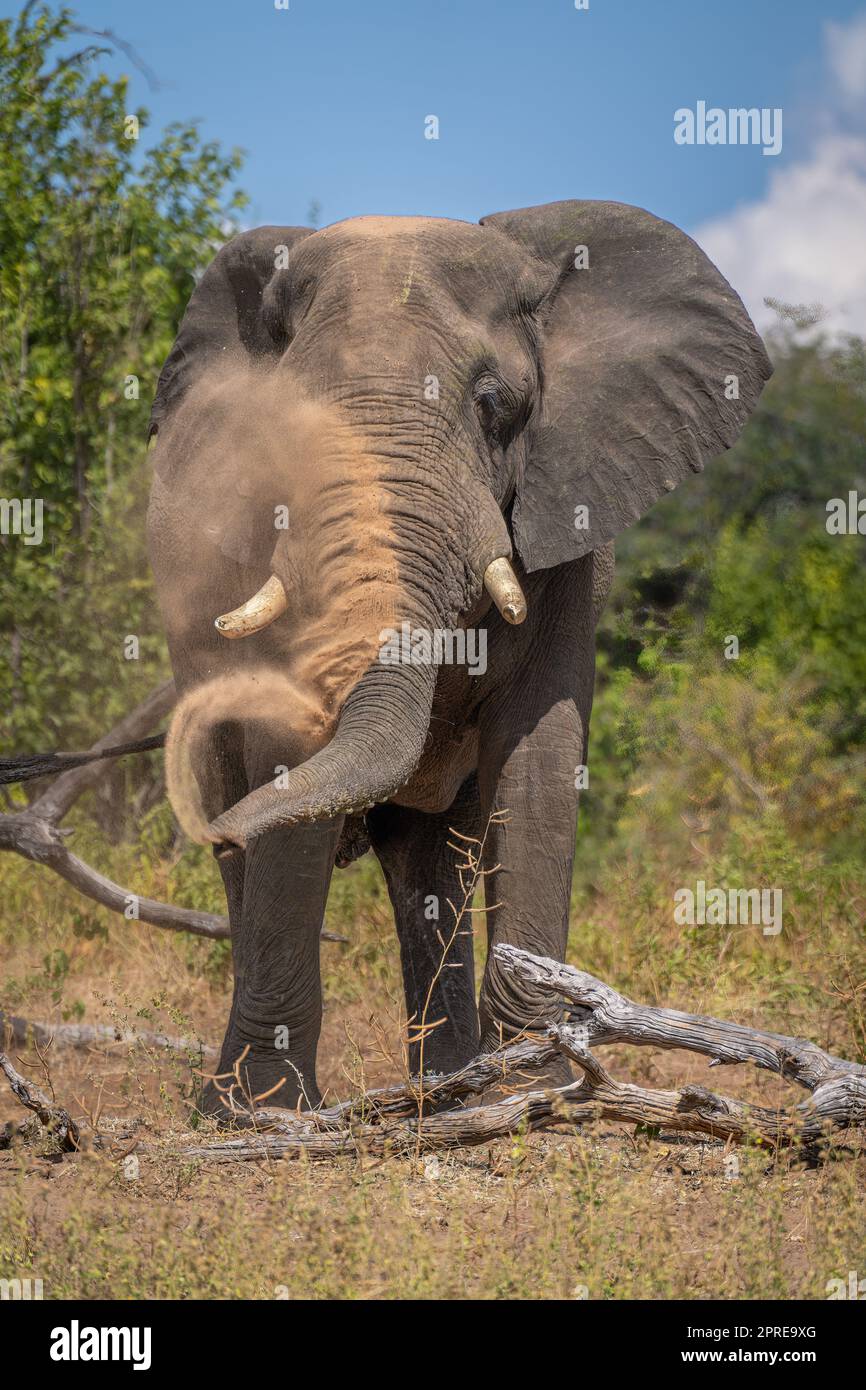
804, 241
846, 56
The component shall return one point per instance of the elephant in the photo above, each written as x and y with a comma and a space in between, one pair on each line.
414, 425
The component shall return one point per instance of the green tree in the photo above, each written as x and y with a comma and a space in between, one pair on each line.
101, 240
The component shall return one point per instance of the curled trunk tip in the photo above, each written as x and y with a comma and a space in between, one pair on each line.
376, 747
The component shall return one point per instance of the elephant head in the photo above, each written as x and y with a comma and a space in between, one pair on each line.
450, 406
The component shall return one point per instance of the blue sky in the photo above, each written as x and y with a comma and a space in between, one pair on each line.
536, 100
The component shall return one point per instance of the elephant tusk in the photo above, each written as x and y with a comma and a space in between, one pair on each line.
503, 586
258, 612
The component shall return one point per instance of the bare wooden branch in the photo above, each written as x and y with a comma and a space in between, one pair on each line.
25, 1032
609, 1017
506, 1065
41, 840
839, 1104
53, 1117
34, 833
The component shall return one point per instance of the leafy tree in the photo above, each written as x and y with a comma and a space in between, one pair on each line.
100, 244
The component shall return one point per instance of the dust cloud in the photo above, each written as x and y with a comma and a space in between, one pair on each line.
253, 478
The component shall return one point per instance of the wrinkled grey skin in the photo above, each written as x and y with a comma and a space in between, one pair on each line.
560, 387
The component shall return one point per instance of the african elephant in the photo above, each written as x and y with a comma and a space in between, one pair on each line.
414, 421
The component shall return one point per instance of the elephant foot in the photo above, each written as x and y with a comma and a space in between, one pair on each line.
246, 1079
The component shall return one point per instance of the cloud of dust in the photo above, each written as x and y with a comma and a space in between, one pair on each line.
252, 478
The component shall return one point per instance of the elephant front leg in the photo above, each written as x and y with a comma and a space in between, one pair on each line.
530, 777
276, 1014
418, 857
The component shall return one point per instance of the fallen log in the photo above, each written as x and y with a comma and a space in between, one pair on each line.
53, 1117
507, 1065
24, 1032
838, 1104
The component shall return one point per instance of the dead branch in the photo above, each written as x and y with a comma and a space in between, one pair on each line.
608, 1017
25, 1032
838, 1104
42, 841
64, 791
53, 1117
511, 1064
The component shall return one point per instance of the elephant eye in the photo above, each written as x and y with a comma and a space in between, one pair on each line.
487, 405
490, 403
501, 410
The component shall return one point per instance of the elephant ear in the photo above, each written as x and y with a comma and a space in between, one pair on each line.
224, 320
650, 367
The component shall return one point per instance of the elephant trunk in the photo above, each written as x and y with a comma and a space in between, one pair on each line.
376, 746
